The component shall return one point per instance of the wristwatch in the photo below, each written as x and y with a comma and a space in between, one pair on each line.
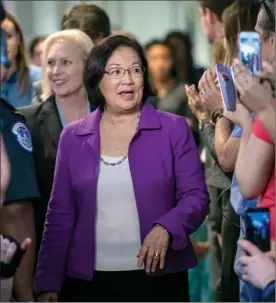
202, 123
217, 114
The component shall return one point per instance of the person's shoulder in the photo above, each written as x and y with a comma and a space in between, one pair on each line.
175, 127
171, 120
82, 127
71, 129
4, 105
30, 111
8, 113
174, 124
35, 73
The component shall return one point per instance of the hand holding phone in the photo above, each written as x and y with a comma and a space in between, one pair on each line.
227, 86
257, 225
250, 51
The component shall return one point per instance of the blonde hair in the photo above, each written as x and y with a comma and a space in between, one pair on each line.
218, 51
21, 58
240, 16
74, 36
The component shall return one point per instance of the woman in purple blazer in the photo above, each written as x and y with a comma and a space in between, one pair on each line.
128, 191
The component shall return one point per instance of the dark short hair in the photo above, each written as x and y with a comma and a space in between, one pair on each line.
266, 24
186, 40
96, 64
154, 42
216, 6
34, 43
88, 18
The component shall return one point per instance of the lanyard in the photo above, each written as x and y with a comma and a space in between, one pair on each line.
61, 117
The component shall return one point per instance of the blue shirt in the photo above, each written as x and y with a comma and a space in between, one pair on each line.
248, 293
11, 90
269, 292
238, 202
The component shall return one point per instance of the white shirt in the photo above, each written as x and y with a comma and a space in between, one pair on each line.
117, 223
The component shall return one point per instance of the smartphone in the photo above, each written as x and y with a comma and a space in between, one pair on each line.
250, 50
4, 60
227, 86
257, 227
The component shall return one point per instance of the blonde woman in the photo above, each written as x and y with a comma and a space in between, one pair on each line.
17, 87
63, 61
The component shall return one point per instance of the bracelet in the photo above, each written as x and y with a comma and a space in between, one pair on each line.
217, 114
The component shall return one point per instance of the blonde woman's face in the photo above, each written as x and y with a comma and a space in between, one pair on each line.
64, 68
13, 40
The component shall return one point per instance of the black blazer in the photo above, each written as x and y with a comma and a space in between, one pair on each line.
45, 127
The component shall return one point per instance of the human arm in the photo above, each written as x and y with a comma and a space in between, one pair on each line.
17, 218
226, 146
191, 192
17, 221
201, 248
59, 224
257, 97
208, 137
207, 130
267, 116
255, 162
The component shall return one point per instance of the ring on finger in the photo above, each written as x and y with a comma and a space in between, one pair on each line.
156, 256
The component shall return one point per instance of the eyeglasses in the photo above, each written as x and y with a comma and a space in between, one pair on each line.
119, 72
268, 11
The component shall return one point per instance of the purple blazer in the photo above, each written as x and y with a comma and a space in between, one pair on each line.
169, 187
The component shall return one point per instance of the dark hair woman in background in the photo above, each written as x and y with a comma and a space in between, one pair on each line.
128, 191
170, 91
185, 67
17, 88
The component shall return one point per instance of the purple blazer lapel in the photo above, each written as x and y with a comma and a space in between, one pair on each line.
91, 126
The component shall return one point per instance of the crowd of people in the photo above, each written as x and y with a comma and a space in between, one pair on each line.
123, 175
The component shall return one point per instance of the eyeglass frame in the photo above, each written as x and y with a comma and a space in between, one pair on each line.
127, 70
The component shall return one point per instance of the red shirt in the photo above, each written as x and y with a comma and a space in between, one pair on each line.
267, 199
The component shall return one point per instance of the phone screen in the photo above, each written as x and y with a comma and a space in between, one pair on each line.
250, 50
258, 228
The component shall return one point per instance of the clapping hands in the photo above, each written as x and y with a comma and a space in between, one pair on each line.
255, 96
195, 103
210, 91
